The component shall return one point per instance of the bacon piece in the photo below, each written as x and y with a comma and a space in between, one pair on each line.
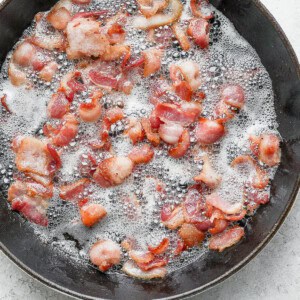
155, 121
172, 218
24, 54
60, 15
104, 81
71, 84
194, 210
226, 239
170, 132
260, 178
186, 70
152, 61
4, 103
208, 175
182, 147
81, 2
142, 154
33, 156
92, 214
236, 217
55, 164
156, 263
67, 132
160, 248
153, 137
233, 95
175, 8
196, 9
191, 235
181, 37
114, 115
223, 113
267, 148
113, 171
183, 90
74, 191
199, 31
49, 42
115, 31
91, 112
168, 112
16, 76
150, 7
85, 38
104, 254
255, 198
135, 130
58, 106
209, 131
180, 247
114, 52
131, 269
141, 256
48, 71
224, 205
219, 226
130, 65
128, 244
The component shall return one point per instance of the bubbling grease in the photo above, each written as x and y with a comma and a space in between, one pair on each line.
229, 60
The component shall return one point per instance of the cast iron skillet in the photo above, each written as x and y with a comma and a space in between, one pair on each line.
18, 241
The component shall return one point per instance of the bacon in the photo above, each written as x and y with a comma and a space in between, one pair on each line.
130, 65
49, 42
114, 115
58, 106
260, 178
67, 131
128, 244
31, 209
85, 38
71, 84
267, 148
55, 164
156, 263
191, 235
255, 198
182, 147
32, 156
74, 191
183, 90
90, 14
233, 95
170, 132
16, 76
196, 9
175, 8
181, 37
188, 71
209, 131
193, 210
153, 137
223, 113
131, 269
4, 103
172, 218
219, 226
168, 112
48, 71
81, 2
142, 154
103, 80
141, 256
59, 16
24, 54
199, 31
224, 205
150, 7
208, 175
116, 33
92, 214
113, 171
226, 239
104, 254
152, 60
114, 52
91, 112
180, 247
135, 130
155, 121
236, 217
160, 248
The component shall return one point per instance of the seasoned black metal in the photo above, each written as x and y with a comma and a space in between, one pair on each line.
18, 241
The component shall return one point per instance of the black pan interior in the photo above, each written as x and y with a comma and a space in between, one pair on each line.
19, 242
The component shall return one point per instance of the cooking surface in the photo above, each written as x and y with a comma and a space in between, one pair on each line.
15, 284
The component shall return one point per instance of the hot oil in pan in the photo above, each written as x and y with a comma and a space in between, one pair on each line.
229, 59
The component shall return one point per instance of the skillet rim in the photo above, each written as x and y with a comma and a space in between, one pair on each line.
242, 263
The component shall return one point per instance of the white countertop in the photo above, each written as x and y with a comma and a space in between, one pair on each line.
273, 274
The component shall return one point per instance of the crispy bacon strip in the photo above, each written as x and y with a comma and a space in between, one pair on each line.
191, 235
160, 248
181, 37
74, 191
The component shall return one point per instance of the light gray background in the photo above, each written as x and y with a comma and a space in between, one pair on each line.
273, 274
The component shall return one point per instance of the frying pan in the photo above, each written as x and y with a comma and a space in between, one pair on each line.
18, 241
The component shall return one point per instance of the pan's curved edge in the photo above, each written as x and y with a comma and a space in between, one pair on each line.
239, 266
